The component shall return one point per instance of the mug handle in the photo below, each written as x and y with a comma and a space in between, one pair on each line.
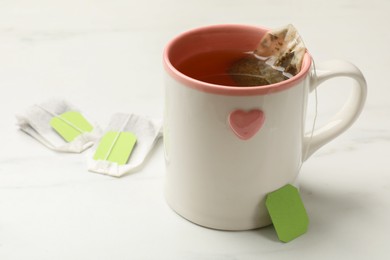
347, 115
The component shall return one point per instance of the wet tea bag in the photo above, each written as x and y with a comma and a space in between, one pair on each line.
278, 57
125, 144
59, 126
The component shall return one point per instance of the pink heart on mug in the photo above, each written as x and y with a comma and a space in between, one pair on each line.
245, 124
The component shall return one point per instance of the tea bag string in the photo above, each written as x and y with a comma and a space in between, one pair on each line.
60, 118
117, 137
315, 115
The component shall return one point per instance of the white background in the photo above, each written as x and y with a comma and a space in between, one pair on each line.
105, 57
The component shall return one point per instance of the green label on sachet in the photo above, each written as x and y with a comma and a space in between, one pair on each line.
70, 125
115, 147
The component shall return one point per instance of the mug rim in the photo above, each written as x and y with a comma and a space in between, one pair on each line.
230, 90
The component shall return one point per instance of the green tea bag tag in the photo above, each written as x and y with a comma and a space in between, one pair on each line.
115, 147
70, 125
287, 213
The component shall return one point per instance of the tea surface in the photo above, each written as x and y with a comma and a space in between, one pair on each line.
230, 68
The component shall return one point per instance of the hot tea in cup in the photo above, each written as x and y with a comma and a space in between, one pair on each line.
278, 57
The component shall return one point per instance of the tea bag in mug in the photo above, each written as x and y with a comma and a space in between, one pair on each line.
59, 126
278, 57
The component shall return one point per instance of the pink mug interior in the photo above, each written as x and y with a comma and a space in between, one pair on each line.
222, 37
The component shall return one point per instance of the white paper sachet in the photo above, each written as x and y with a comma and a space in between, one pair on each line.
37, 121
146, 131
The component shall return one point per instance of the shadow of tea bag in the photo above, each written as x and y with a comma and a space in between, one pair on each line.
278, 57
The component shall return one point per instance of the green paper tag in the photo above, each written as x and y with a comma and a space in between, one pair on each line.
115, 147
287, 213
70, 124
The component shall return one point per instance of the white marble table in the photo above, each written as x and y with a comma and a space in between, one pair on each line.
105, 57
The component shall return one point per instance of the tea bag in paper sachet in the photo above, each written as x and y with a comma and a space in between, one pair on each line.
59, 125
278, 57
125, 145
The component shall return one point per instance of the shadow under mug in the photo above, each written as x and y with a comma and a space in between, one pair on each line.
227, 147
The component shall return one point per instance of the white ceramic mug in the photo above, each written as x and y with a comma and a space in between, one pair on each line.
227, 147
